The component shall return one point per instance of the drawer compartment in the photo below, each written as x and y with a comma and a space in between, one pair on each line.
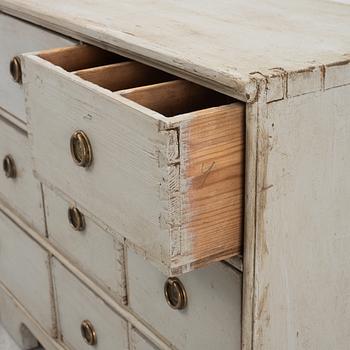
16, 37
84, 319
96, 252
24, 270
19, 189
211, 318
161, 159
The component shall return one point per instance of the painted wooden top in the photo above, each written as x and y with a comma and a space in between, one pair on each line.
222, 41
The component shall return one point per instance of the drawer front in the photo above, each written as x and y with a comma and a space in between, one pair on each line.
212, 317
76, 304
24, 270
139, 342
153, 175
96, 252
16, 37
18, 188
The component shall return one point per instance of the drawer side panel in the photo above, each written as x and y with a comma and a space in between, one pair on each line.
212, 185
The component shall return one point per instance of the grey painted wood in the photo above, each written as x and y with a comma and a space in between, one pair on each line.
21, 326
223, 42
24, 270
96, 252
212, 319
123, 186
17, 37
139, 342
302, 238
76, 303
23, 193
109, 301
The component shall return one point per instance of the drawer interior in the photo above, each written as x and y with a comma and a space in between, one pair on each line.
145, 85
74, 58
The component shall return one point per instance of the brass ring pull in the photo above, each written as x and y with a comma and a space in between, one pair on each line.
16, 69
175, 293
76, 219
80, 148
9, 167
88, 332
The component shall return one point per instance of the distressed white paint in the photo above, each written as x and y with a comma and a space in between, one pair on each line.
304, 81
222, 42
95, 251
24, 270
302, 254
76, 303
139, 342
212, 319
337, 74
123, 187
22, 194
17, 37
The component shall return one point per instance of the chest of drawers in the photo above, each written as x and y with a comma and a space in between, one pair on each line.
175, 175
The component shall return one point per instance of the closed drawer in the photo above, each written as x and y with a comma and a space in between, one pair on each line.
19, 189
139, 342
16, 37
210, 320
24, 270
161, 164
96, 252
83, 317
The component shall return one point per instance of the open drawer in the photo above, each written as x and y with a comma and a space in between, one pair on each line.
157, 159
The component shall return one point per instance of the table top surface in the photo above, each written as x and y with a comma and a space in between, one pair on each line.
223, 41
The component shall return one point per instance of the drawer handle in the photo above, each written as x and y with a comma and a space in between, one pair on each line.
9, 167
88, 332
76, 219
16, 69
80, 148
175, 293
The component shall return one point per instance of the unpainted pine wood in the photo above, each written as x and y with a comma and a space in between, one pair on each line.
24, 270
212, 185
23, 193
17, 37
76, 303
212, 319
94, 251
73, 58
124, 75
139, 342
176, 97
302, 239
